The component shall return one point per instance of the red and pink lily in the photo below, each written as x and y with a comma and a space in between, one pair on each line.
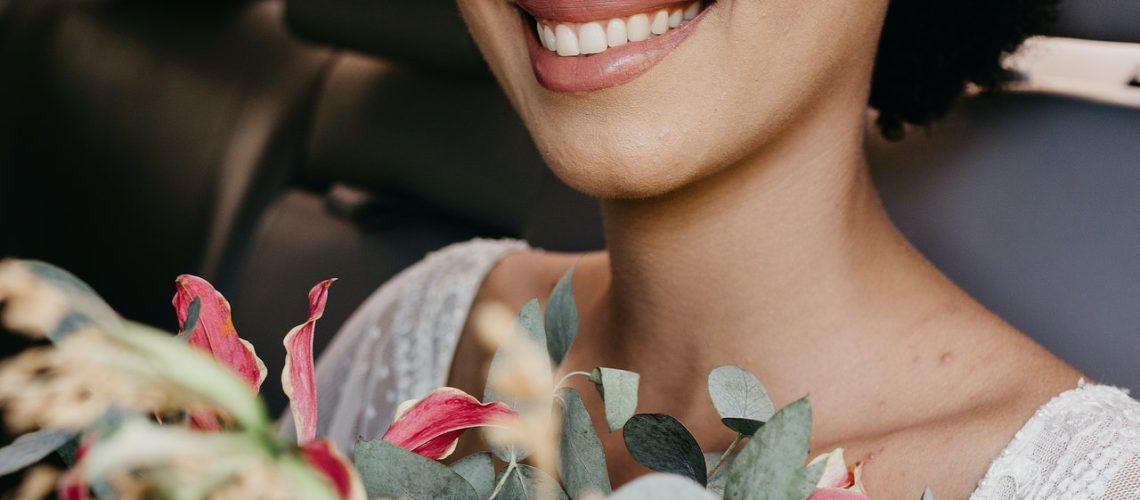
839, 482
430, 426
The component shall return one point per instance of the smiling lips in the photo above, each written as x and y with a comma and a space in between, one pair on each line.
588, 45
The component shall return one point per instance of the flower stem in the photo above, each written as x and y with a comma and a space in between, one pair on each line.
572, 374
503, 482
727, 452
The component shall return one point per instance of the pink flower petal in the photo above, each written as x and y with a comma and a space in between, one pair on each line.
297, 377
431, 426
839, 482
71, 485
836, 494
204, 419
322, 455
215, 333
835, 472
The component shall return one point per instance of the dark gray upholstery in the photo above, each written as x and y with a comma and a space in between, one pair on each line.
137, 137
1032, 204
1108, 20
398, 162
427, 34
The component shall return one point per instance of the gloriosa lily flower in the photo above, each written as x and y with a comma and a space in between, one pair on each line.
297, 379
323, 456
431, 426
214, 332
839, 482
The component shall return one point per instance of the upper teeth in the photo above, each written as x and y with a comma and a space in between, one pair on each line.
572, 39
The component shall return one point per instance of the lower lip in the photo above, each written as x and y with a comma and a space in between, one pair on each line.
615, 66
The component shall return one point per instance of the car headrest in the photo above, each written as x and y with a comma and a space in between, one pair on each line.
1108, 20
428, 34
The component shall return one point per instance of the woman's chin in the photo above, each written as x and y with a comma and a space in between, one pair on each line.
623, 181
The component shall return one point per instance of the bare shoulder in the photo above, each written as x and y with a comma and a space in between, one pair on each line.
952, 452
523, 276
513, 281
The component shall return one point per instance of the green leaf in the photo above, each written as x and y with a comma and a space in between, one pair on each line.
583, 460
188, 368
479, 471
159, 354
142, 445
771, 465
562, 317
618, 389
927, 495
812, 474
31, 448
390, 471
663, 487
717, 480
528, 483
661, 443
530, 321
193, 314
740, 399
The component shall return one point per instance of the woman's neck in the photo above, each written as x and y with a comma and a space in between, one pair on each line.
780, 264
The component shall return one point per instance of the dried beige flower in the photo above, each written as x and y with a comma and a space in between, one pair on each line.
72, 385
31, 307
523, 376
39, 482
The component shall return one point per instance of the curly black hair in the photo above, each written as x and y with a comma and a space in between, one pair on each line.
932, 49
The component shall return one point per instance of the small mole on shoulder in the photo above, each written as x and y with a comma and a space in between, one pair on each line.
945, 358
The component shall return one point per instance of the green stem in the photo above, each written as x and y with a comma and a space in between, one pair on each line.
503, 482
572, 374
727, 452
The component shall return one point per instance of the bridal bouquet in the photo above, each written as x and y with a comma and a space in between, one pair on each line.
139, 413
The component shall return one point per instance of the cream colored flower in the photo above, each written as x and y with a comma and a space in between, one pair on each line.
32, 307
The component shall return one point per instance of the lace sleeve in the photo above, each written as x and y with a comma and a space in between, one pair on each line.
1084, 444
399, 344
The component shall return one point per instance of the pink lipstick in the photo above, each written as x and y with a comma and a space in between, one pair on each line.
590, 45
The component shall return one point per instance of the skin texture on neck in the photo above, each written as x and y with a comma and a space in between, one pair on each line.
787, 265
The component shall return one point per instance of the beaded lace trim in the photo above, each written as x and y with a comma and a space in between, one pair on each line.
1083, 444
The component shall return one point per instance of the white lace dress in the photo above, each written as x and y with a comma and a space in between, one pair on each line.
1084, 444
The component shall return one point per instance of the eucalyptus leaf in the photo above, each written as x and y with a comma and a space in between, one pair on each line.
745, 426
193, 314
812, 474
718, 479
31, 448
530, 322
562, 317
663, 487
618, 389
927, 495
479, 471
661, 443
582, 463
740, 399
530, 319
770, 466
390, 471
528, 483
